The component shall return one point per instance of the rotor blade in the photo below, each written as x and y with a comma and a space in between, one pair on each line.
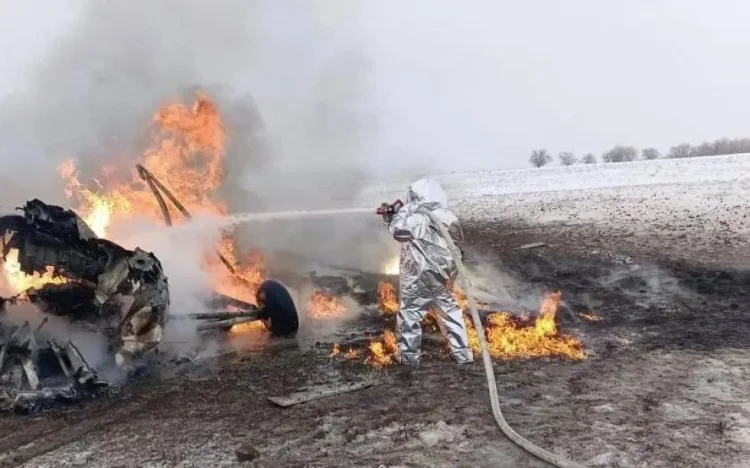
155, 184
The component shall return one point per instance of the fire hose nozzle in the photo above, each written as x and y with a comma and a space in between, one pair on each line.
386, 209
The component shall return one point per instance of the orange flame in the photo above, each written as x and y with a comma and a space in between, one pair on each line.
248, 276
20, 281
187, 155
589, 317
324, 306
349, 354
247, 327
387, 298
96, 209
383, 352
510, 337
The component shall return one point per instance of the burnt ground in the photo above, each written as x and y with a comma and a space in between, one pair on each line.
665, 383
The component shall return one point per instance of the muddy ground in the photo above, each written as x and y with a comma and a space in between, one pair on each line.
665, 383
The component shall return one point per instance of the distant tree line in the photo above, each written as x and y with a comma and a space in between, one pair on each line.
619, 153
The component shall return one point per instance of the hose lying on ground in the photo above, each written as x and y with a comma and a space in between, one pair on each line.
489, 372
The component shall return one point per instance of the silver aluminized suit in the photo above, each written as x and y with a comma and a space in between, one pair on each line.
427, 272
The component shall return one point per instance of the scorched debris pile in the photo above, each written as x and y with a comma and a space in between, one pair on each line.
63, 264
35, 371
122, 293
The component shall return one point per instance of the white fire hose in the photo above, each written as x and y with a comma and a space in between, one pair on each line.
489, 372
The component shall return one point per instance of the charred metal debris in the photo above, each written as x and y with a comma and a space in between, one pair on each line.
122, 294
35, 374
117, 293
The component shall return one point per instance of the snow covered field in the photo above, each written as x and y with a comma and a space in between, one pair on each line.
669, 189
686, 203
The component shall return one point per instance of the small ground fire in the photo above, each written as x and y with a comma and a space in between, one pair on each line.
322, 306
511, 337
508, 336
387, 298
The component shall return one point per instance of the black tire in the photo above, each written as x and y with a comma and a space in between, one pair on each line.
277, 309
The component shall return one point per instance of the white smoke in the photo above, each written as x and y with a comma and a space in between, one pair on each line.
294, 85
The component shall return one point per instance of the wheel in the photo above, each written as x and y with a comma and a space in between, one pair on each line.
277, 309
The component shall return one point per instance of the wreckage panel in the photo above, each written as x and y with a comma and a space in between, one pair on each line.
57, 221
37, 251
35, 257
32, 374
49, 236
107, 285
69, 299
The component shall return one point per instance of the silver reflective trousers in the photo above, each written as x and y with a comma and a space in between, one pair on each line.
423, 288
415, 302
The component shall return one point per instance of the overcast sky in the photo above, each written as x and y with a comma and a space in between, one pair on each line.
471, 84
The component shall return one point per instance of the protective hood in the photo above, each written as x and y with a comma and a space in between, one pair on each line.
428, 193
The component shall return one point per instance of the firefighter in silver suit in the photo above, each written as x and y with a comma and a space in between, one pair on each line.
427, 272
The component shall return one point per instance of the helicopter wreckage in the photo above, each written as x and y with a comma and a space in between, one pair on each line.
121, 294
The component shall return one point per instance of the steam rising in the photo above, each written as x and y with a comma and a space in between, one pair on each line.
91, 344
181, 251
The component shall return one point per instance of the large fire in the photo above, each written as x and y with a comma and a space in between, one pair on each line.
187, 154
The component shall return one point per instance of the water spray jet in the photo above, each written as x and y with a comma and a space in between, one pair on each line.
295, 214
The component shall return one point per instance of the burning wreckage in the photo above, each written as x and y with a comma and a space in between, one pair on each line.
122, 294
